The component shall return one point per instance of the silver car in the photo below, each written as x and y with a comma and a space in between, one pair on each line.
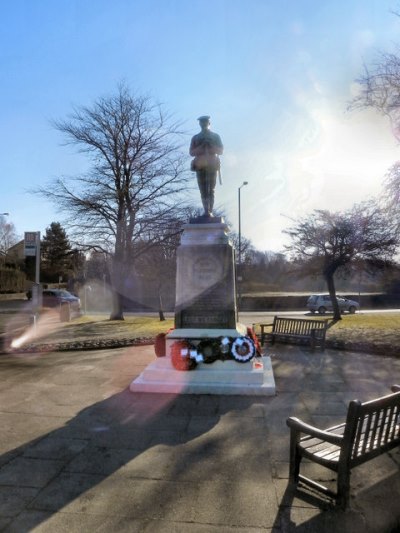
322, 303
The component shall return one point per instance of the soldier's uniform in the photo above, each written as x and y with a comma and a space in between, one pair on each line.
205, 148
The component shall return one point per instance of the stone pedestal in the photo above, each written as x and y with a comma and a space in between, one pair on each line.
206, 309
205, 281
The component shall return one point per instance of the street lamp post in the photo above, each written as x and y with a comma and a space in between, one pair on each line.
240, 241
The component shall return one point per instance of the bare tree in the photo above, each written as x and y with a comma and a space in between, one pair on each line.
137, 172
325, 242
247, 247
379, 88
8, 236
391, 194
158, 263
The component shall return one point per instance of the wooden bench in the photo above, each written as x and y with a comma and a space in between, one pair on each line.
371, 428
301, 329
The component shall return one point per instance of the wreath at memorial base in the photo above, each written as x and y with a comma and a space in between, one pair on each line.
182, 353
210, 350
243, 349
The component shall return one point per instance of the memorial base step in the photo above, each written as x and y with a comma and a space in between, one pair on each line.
220, 377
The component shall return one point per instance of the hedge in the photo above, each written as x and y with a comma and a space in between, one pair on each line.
11, 280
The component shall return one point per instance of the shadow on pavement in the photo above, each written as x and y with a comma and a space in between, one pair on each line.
141, 456
183, 463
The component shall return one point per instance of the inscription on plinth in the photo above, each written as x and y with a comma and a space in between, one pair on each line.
205, 295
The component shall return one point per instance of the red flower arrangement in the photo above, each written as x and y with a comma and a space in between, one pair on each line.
180, 356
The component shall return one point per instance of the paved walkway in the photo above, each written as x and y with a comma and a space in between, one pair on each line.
79, 452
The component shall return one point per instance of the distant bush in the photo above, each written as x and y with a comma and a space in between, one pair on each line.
11, 280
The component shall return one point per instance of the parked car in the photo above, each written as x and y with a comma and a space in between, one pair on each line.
58, 297
322, 303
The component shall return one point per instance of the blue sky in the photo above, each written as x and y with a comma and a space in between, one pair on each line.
276, 77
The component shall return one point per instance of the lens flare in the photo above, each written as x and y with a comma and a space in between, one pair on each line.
34, 329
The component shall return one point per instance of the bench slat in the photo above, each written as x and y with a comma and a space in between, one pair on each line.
377, 426
394, 419
366, 433
385, 432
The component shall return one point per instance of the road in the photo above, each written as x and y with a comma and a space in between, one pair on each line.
252, 317
247, 317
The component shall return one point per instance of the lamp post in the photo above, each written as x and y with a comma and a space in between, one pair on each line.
239, 279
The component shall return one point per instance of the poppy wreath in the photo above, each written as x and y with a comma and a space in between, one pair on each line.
210, 350
243, 349
180, 356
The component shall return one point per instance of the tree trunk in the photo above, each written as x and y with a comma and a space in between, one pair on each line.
117, 283
117, 312
160, 306
332, 293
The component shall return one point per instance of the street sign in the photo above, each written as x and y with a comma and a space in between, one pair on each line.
30, 243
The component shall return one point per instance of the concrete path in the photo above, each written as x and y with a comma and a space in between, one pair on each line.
78, 452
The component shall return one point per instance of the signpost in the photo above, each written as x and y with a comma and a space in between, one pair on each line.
30, 244
32, 249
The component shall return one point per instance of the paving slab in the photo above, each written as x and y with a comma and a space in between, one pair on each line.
80, 452
13, 500
29, 472
47, 522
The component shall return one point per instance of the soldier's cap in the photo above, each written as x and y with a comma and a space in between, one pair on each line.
204, 117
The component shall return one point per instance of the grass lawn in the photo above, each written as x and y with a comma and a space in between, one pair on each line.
378, 329
86, 327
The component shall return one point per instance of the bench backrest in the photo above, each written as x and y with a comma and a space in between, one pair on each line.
298, 326
371, 428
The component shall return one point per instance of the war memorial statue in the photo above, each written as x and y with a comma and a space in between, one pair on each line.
205, 147
207, 336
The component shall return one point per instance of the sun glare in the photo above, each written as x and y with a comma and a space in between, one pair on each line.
47, 323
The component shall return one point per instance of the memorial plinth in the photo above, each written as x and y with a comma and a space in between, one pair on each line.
205, 279
205, 309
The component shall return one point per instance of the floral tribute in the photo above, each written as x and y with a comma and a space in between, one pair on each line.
243, 349
187, 354
183, 355
210, 350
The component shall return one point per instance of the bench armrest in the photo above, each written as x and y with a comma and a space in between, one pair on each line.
301, 427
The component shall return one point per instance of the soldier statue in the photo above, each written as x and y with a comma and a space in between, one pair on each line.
205, 148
